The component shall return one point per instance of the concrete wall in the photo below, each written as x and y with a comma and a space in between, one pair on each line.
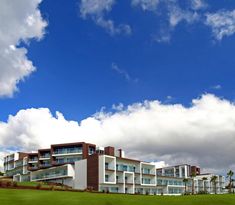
80, 181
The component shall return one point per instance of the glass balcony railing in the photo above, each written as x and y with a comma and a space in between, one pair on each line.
45, 156
170, 182
19, 164
68, 151
35, 159
67, 160
51, 174
125, 168
146, 181
45, 164
146, 171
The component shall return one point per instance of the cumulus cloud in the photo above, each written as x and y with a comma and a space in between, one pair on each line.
203, 133
20, 21
222, 23
96, 10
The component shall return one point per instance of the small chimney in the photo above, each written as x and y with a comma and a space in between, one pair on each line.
109, 151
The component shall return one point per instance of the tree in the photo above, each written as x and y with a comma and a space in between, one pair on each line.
213, 181
204, 184
185, 180
193, 175
230, 175
233, 185
1, 173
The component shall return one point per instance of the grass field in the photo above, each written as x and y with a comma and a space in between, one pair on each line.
36, 197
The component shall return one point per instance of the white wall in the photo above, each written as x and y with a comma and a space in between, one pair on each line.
80, 180
101, 169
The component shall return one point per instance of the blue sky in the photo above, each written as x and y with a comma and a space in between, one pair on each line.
88, 55
74, 62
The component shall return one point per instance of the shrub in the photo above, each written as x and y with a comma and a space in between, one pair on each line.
14, 184
39, 186
8, 184
52, 188
202, 192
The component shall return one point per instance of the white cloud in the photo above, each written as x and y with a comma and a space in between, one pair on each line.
217, 87
160, 164
177, 15
19, 21
96, 10
203, 134
172, 13
199, 4
124, 73
222, 23
146, 5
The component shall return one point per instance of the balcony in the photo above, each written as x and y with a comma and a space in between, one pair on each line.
126, 168
50, 175
146, 181
67, 151
18, 163
43, 165
67, 160
45, 156
33, 168
33, 160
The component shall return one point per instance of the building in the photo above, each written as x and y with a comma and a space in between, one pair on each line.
16, 166
203, 183
179, 171
84, 166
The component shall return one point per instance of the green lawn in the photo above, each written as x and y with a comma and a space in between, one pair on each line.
35, 197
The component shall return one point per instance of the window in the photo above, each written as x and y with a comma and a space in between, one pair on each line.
106, 165
106, 178
126, 179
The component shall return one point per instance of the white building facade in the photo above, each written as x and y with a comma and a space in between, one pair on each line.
84, 166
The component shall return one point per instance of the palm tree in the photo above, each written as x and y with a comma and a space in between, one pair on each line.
213, 180
233, 185
193, 175
230, 175
204, 184
185, 180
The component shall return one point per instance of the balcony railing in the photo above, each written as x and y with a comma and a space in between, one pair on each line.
125, 168
45, 165
67, 151
146, 171
170, 182
53, 174
18, 164
45, 156
67, 160
146, 181
35, 159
